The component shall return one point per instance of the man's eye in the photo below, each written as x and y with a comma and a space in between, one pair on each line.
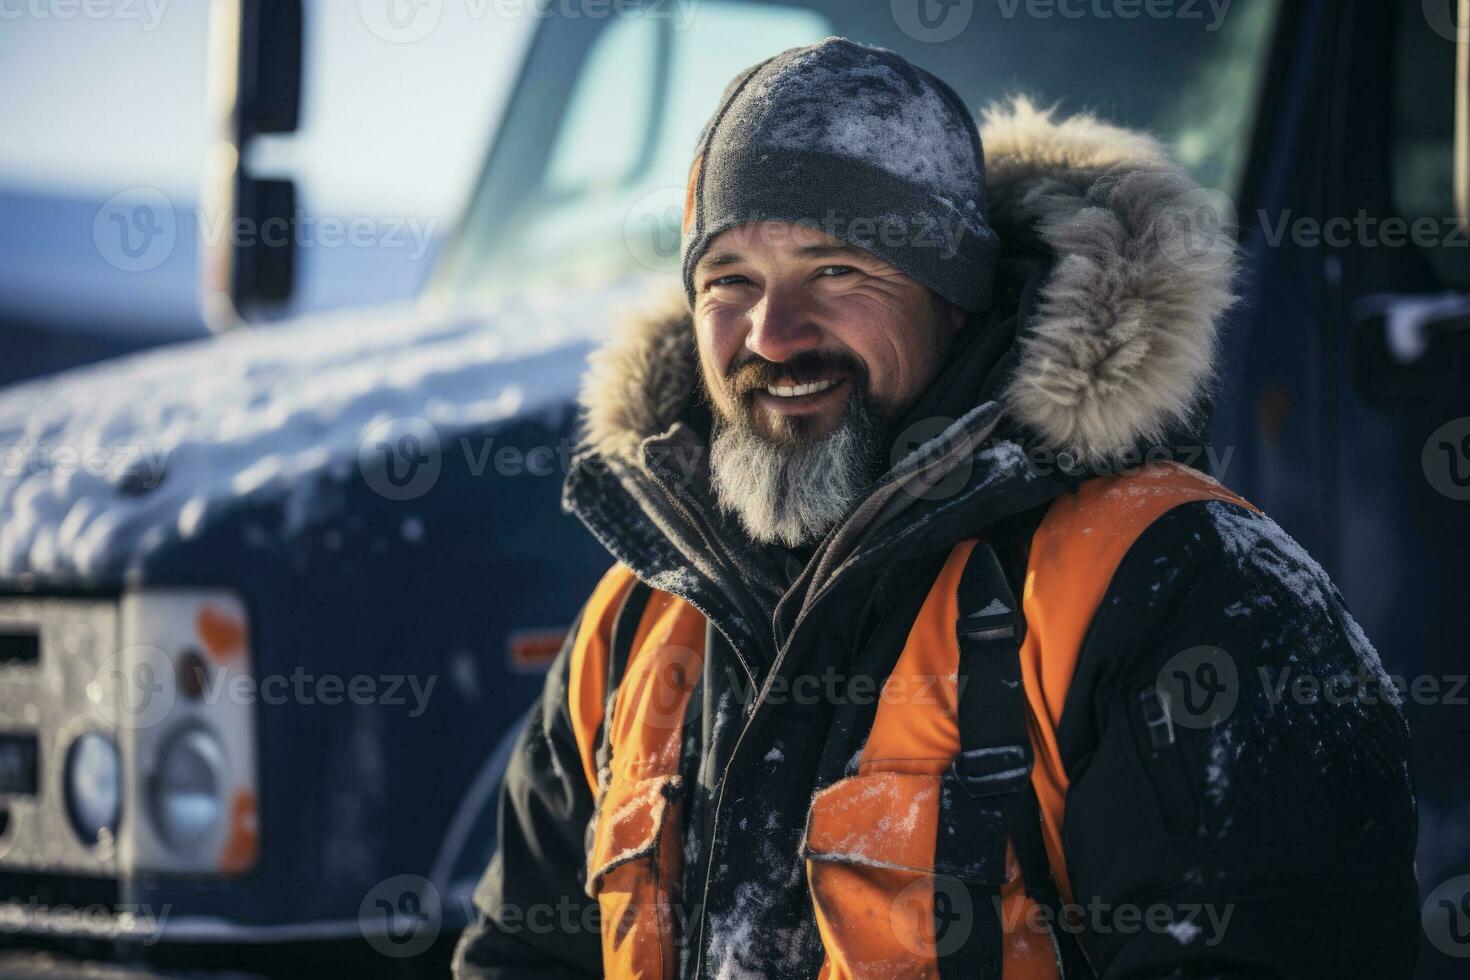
731, 280
835, 270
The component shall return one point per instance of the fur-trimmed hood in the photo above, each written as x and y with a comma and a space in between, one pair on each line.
1120, 348
1114, 333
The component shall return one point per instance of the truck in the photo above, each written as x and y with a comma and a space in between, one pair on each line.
274, 602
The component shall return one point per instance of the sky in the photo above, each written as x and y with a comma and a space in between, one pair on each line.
104, 95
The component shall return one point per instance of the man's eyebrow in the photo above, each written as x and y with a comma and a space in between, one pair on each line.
827, 251
714, 260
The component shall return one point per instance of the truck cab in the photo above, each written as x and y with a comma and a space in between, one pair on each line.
262, 659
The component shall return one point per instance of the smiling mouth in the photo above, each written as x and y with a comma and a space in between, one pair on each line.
796, 391
810, 398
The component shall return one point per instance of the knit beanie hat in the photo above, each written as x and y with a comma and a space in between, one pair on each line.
856, 142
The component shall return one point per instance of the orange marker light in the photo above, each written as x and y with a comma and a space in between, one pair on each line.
242, 845
222, 634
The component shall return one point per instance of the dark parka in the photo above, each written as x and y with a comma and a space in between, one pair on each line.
1271, 838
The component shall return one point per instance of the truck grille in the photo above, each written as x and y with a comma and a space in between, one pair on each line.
54, 686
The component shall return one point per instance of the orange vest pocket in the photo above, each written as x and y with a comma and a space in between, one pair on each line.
869, 851
632, 867
884, 906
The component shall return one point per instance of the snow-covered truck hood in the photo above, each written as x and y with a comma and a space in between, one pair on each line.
103, 464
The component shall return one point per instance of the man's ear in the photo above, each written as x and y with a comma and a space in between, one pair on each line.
958, 319
952, 318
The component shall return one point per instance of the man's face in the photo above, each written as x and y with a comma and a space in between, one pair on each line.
793, 323
810, 349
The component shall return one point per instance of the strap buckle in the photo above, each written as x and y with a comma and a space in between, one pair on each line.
993, 771
1157, 718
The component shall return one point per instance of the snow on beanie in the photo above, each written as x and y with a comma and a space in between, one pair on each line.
859, 143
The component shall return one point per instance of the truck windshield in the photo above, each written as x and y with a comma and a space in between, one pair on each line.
585, 183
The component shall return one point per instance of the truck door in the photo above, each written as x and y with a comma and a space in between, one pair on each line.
1397, 391
1351, 397
1344, 405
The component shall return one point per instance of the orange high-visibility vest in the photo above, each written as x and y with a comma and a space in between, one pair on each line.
871, 836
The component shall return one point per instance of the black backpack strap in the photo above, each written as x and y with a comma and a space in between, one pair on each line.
993, 766
624, 631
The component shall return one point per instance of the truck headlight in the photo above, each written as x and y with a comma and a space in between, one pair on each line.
188, 792
93, 785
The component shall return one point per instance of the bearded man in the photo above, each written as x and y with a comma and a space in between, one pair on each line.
929, 649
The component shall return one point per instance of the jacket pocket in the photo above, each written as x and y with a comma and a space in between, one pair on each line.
632, 867
901, 868
870, 858
1162, 759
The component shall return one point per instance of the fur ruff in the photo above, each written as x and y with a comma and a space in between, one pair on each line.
1121, 347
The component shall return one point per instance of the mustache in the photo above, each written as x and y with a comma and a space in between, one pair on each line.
754, 373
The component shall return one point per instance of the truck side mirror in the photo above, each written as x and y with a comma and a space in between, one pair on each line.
265, 262
255, 60
270, 66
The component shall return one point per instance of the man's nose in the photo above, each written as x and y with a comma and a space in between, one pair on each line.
781, 326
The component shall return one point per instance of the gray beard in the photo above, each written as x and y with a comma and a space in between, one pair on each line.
793, 494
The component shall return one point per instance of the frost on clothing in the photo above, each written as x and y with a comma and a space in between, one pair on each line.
279, 409
858, 142
1300, 627
858, 114
1288, 825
